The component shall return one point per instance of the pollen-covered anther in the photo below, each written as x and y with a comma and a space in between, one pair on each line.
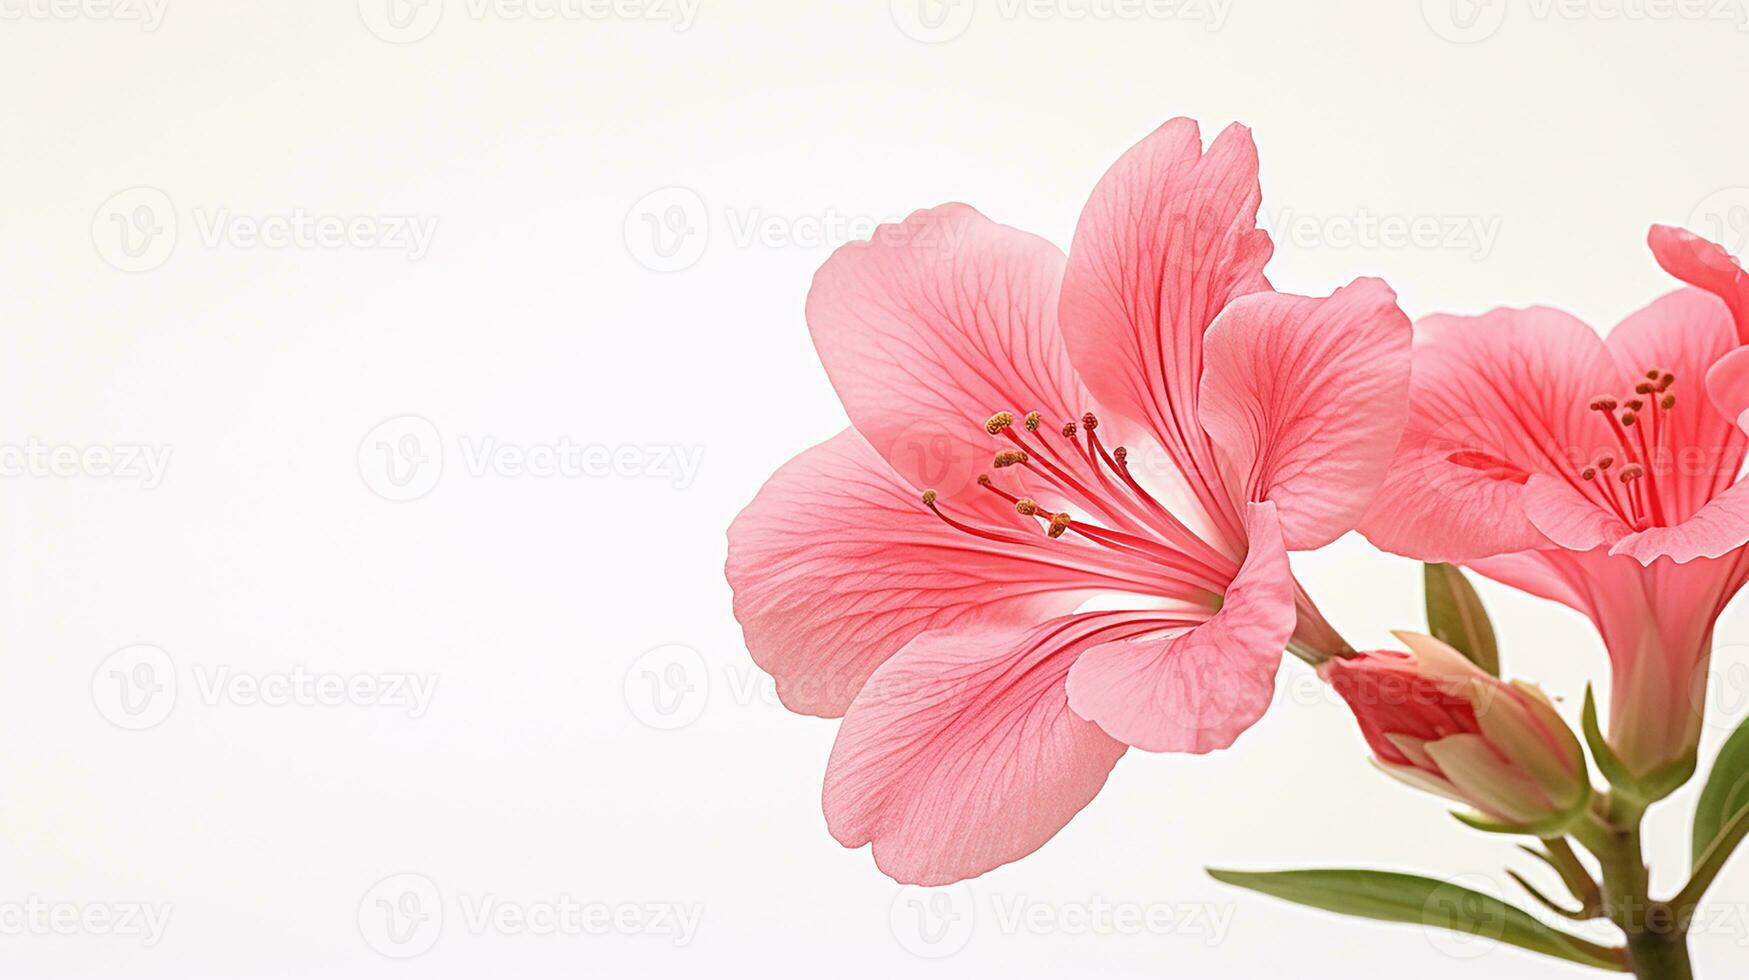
1668, 403
998, 422
1632, 472
983, 479
1643, 388
1605, 462
1666, 381
1026, 507
1634, 404
1010, 457
929, 498
1603, 403
1653, 374
1090, 421
1629, 418
1032, 421
1069, 430
1059, 524
1121, 455
1588, 473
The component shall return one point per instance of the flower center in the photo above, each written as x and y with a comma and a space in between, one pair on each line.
1640, 426
1133, 542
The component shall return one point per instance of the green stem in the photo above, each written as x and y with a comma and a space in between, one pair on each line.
1657, 935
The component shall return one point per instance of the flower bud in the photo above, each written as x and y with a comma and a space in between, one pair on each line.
1438, 722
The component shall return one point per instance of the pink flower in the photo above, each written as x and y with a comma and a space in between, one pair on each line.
1600, 473
1437, 722
920, 574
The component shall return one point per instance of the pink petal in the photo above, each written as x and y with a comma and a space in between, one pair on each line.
1569, 518
1717, 529
1167, 239
1307, 399
1493, 399
1728, 384
1698, 262
1199, 690
1685, 333
1657, 623
836, 564
935, 325
962, 755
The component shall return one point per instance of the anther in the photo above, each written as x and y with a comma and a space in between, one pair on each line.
1059, 524
1032, 421
1010, 457
1653, 374
1603, 404
1629, 418
1605, 462
1069, 430
1026, 507
998, 422
929, 498
1666, 381
1643, 388
1588, 473
1091, 421
1120, 454
1668, 403
1632, 472
1634, 404
983, 479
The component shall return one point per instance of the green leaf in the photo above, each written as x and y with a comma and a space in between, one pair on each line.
1392, 897
1726, 792
1455, 615
1641, 791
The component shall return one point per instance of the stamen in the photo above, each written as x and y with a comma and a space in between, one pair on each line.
1032, 421
929, 498
1059, 524
1090, 421
1026, 507
1068, 430
1010, 457
998, 422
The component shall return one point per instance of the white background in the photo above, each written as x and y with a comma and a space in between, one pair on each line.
540, 313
